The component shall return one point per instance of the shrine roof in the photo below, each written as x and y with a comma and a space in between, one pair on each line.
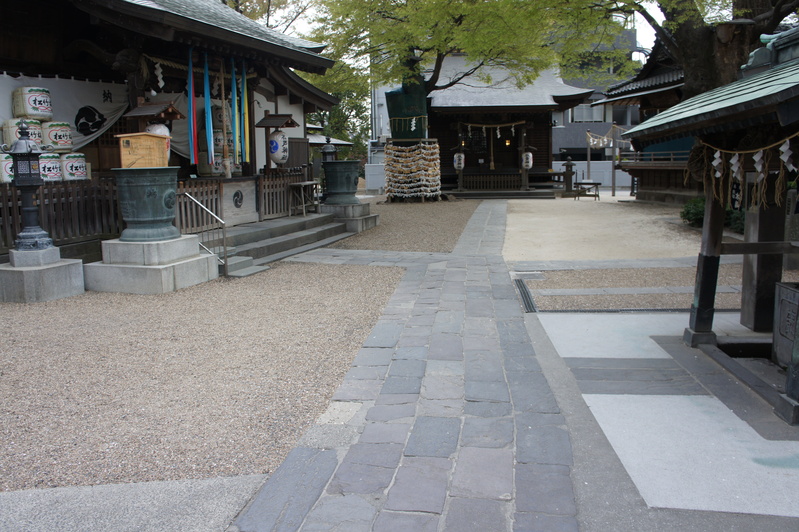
547, 92
769, 94
204, 19
757, 97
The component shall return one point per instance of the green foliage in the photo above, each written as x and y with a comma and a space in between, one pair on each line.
276, 14
693, 213
736, 221
349, 119
524, 37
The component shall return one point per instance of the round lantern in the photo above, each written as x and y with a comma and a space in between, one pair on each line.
278, 147
460, 161
527, 160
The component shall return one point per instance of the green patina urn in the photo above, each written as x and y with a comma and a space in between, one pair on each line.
341, 182
147, 198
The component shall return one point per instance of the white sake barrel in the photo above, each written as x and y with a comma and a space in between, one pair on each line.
11, 130
215, 169
218, 115
32, 102
50, 166
59, 135
73, 167
6, 168
218, 140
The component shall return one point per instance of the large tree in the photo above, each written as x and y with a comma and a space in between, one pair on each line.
711, 39
281, 15
396, 39
349, 119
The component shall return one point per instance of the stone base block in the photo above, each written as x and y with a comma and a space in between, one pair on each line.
356, 225
33, 284
692, 338
152, 279
356, 217
38, 257
356, 210
155, 253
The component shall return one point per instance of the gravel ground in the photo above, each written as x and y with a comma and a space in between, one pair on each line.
222, 379
432, 226
219, 379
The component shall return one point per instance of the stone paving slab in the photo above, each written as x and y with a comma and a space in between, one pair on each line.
460, 429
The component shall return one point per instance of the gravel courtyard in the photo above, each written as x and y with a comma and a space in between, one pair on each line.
223, 378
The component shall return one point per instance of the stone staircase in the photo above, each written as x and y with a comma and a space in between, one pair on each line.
251, 247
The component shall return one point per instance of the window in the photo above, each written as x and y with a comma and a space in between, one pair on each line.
586, 113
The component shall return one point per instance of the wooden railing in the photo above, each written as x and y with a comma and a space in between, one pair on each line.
189, 217
70, 212
492, 181
275, 198
81, 211
660, 159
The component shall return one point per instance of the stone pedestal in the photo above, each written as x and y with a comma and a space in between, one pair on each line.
150, 267
356, 216
32, 276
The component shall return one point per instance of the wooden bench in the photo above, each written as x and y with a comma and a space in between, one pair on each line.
303, 196
586, 188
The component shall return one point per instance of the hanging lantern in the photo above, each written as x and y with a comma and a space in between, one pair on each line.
278, 147
460, 161
527, 160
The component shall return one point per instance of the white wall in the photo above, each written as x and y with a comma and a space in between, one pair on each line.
600, 171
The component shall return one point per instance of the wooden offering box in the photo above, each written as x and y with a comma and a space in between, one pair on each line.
143, 150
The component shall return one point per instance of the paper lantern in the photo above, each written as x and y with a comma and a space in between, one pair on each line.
278, 147
460, 161
527, 160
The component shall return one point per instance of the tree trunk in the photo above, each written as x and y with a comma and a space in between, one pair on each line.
713, 57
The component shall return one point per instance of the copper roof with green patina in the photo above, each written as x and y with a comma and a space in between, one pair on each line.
760, 92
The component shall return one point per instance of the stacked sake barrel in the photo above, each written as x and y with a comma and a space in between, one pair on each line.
33, 105
413, 171
220, 120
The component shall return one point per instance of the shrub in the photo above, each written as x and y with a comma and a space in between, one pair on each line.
693, 212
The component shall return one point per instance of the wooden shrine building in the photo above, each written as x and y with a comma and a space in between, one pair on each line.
106, 62
495, 123
747, 138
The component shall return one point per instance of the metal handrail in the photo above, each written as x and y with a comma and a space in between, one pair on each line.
212, 235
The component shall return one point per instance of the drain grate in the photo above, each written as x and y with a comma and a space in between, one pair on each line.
526, 297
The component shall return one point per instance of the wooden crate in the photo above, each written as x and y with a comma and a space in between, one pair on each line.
143, 150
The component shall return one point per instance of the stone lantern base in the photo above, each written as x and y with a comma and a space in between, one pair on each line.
39, 275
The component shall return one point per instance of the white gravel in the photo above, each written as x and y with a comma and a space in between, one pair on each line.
219, 379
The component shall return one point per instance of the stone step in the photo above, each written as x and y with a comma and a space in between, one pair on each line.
237, 262
302, 249
278, 244
504, 194
259, 231
246, 272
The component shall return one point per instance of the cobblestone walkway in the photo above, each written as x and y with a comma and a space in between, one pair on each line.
445, 420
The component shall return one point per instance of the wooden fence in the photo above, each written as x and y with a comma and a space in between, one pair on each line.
82, 211
492, 181
70, 211
275, 197
191, 219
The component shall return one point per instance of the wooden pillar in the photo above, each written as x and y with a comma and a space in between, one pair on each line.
700, 327
761, 273
522, 143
